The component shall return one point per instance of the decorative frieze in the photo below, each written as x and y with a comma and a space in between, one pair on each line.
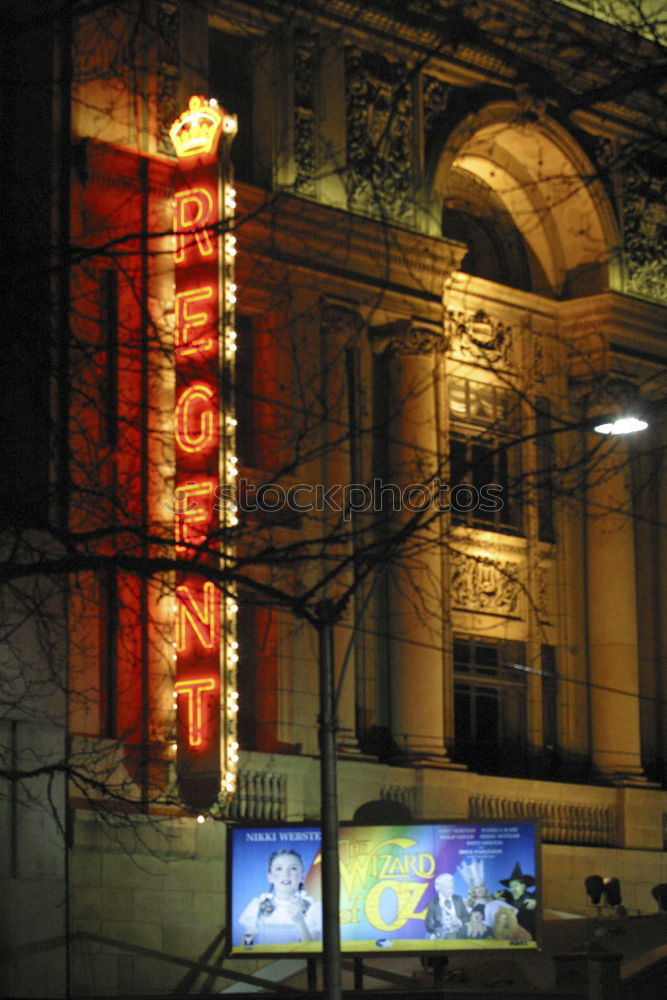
645, 231
482, 584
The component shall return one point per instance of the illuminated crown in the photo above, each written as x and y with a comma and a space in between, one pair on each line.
196, 133
472, 872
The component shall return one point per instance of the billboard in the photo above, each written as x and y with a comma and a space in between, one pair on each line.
411, 887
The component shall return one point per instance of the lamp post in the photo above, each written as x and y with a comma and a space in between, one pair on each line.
329, 808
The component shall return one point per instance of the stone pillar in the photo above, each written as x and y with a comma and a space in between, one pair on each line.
414, 577
612, 617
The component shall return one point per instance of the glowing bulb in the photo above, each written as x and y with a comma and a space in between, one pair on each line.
622, 425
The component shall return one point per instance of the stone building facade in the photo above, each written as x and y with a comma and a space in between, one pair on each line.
450, 234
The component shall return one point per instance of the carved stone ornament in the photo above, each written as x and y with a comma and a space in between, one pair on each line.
479, 338
435, 98
537, 339
405, 337
544, 594
645, 232
380, 147
339, 322
480, 584
304, 113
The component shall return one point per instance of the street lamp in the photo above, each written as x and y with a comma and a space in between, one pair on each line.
621, 425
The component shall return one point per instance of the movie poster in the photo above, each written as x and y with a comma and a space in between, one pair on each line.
419, 887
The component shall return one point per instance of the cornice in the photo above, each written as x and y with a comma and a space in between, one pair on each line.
337, 243
474, 43
623, 319
470, 292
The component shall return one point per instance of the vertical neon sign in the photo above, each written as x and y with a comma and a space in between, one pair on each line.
204, 452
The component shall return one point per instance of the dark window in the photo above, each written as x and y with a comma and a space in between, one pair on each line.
353, 380
549, 710
545, 466
244, 395
257, 675
485, 466
490, 706
484, 481
230, 82
246, 676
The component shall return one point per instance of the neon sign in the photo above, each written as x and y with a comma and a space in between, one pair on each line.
197, 621
196, 133
193, 211
206, 699
196, 419
194, 690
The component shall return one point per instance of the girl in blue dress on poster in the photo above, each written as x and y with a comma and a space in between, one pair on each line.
286, 914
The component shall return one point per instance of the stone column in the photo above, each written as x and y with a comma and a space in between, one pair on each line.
414, 577
612, 618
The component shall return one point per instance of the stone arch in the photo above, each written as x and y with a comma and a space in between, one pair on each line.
537, 182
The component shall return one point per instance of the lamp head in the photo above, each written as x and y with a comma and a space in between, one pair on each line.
594, 886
